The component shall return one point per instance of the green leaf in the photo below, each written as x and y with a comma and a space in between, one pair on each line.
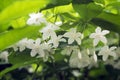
82, 1
20, 57
88, 11
4, 3
55, 3
64, 8
10, 37
19, 9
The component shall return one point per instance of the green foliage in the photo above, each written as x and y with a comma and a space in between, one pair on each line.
10, 37
21, 9
84, 15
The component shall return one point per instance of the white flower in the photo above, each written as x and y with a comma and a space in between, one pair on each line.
4, 56
49, 31
73, 36
56, 39
47, 48
106, 52
22, 44
36, 19
36, 48
99, 36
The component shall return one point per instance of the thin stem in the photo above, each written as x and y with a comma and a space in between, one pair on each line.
34, 74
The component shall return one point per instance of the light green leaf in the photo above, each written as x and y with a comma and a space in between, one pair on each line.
10, 37
19, 9
88, 11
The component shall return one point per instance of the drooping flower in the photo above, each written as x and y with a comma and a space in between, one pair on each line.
48, 51
73, 35
105, 52
99, 36
36, 19
4, 56
49, 30
79, 59
22, 44
68, 50
56, 39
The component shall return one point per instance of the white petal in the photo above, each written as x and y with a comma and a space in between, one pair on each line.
98, 30
70, 41
22, 48
33, 53
105, 57
104, 32
95, 42
62, 40
38, 41
66, 34
104, 40
78, 41
79, 55
92, 35
95, 57
113, 48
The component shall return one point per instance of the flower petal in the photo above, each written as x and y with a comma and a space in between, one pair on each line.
104, 32
113, 48
92, 35
98, 30
70, 40
104, 40
33, 53
95, 42
78, 41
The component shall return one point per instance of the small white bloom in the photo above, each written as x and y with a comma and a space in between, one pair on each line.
36, 19
4, 56
36, 48
22, 44
106, 52
73, 36
99, 36
49, 30
56, 39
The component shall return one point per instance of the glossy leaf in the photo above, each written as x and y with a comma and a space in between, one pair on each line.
10, 37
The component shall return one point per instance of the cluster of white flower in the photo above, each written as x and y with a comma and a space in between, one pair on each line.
46, 45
